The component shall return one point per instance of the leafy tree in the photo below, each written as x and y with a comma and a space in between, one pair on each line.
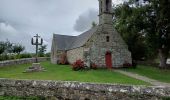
2, 47
42, 50
17, 48
94, 24
163, 30
152, 20
8, 47
158, 31
129, 22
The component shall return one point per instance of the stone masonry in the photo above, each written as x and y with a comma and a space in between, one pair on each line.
81, 91
101, 45
21, 61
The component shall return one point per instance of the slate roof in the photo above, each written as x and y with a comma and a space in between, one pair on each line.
65, 42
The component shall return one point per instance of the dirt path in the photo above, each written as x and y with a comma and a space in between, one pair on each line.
143, 78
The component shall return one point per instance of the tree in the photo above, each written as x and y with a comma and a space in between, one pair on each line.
8, 47
163, 29
2, 47
129, 22
5, 47
94, 24
42, 50
17, 48
158, 33
152, 19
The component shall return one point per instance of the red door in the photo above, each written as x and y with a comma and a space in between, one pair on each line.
108, 59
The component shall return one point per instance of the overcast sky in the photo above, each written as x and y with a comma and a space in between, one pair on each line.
22, 19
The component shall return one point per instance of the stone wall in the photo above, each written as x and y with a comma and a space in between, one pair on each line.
75, 54
116, 46
21, 61
80, 91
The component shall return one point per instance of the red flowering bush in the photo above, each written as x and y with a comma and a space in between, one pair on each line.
78, 65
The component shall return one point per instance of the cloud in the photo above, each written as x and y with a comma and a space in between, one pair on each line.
7, 29
20, 20
84, 21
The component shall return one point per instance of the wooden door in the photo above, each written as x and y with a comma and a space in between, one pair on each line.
108, 59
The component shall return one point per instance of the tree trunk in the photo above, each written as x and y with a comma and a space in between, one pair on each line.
163, 55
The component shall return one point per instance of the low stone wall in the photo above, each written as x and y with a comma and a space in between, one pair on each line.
21, 61
80, 91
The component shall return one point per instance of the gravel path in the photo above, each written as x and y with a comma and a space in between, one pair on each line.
143, 78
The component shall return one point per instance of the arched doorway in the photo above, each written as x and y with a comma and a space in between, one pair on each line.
108, 59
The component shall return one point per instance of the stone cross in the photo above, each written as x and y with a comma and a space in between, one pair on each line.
36, 43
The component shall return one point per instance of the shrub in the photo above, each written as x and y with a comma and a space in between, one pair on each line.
48, 54
25, 55
4, 57
93, 66
127, 65
78, 65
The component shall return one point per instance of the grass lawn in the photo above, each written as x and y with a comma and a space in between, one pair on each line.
65, 73
152, 72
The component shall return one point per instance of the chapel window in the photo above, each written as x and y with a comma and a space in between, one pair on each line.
107, 39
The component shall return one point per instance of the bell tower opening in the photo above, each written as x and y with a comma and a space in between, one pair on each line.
107, 5
105, 12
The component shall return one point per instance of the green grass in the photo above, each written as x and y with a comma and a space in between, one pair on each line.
152, 72
65, 73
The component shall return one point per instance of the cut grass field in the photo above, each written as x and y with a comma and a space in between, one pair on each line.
65, 73
152, 72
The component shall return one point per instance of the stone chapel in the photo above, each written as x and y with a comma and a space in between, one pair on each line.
101, 45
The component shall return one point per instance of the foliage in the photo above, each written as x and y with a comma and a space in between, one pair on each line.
42, 50
4, 57
65, 73
145, 24
17, 48
25, 55
5, 47
48, 54
129, 22
8, 47
78, 65
2, 47
163, 30
127, 65
9, 50
94, 24
14, 56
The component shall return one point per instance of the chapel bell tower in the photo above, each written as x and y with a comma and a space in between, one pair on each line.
105, 12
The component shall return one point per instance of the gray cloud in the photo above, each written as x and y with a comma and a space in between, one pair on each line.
22, 19
85, 20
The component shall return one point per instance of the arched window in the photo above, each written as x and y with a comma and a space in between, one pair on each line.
107, 5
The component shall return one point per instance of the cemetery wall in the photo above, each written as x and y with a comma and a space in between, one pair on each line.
59, 90
21, 61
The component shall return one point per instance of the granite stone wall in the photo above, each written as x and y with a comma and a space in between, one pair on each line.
75, 54
59, 90
22, 61
116, 46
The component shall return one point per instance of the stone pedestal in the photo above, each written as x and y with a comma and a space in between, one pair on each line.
36, 67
